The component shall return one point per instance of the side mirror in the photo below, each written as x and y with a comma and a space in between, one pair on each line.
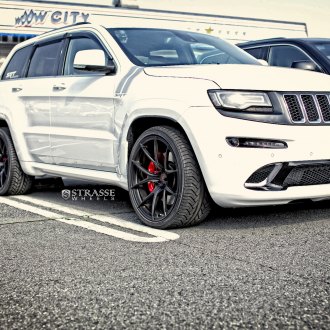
305, 65
93, 60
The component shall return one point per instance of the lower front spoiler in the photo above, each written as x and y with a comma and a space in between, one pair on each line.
251, 198
280, 176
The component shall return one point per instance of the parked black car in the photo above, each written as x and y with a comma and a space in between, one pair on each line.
301, 53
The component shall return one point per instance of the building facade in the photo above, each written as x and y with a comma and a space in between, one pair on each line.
21, 20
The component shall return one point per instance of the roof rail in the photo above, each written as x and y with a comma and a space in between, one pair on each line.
64, 27
262, 40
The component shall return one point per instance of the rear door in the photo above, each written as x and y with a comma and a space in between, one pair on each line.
28, 86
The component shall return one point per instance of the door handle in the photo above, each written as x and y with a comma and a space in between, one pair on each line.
16, 89
59, 87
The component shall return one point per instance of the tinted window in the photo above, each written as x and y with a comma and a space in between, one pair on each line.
324, 48
286, 55
75, 46
259, 53
207, 54
152, 47
45, 60
17, 64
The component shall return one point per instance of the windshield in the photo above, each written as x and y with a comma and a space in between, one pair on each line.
159, 47
324, 48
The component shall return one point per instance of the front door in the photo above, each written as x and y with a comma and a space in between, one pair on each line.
82, 109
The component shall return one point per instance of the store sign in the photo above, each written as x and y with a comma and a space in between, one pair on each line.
31, 17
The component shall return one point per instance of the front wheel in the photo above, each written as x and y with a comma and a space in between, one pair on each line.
166, 186
13, 181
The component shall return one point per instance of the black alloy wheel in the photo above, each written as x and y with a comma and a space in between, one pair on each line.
166, 187
13, 181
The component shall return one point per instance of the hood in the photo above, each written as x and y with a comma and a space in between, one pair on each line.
248, 77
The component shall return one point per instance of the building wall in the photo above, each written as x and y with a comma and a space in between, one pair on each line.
21, 20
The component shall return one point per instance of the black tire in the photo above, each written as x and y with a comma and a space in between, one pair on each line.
13, 181
166, 187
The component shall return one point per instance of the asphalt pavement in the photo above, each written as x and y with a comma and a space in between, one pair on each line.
88, 263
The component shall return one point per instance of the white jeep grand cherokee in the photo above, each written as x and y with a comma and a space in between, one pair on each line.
177, 118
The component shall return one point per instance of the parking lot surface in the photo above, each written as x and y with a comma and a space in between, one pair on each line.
88, 263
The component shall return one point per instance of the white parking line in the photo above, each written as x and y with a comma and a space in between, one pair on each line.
159, 235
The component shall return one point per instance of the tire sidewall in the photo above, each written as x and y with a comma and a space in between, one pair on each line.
4, 136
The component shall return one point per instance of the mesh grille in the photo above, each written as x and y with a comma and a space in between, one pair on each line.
324, 106
308, 108
260, 175
308, 175
294, 108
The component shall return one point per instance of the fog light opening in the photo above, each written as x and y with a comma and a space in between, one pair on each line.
239, 142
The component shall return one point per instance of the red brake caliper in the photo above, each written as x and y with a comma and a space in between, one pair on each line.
151, 169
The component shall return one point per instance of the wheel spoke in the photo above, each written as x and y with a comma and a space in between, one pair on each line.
154, 202
166, 158
2, 149
146, 199
156, 149
164, 202
146, 152
139, 166
1, 178
169, 190
171, 171
143, 182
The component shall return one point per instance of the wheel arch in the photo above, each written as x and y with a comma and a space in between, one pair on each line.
141, 124
135, 128
3, 123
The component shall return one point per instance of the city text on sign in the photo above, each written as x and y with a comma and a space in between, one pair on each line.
31, 17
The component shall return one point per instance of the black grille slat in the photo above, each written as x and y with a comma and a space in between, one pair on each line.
308, 175
295, 174
310, 108
324, 107
261, 174
294, 108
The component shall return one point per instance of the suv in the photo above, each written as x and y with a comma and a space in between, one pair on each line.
177, 118
301, 53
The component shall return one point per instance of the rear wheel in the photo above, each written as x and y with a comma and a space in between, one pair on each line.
166, 186
13, 181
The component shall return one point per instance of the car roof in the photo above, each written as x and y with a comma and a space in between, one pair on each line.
280, 40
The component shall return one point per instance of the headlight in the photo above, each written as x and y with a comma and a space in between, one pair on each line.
241, 101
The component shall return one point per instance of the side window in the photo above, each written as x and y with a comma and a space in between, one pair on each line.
286, 55
45, 60
166, 56
260, 53
208, 54
76, 45
15, 68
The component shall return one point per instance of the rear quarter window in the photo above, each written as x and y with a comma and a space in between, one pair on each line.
18, 64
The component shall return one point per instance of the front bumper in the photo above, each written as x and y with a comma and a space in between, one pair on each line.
226, 169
